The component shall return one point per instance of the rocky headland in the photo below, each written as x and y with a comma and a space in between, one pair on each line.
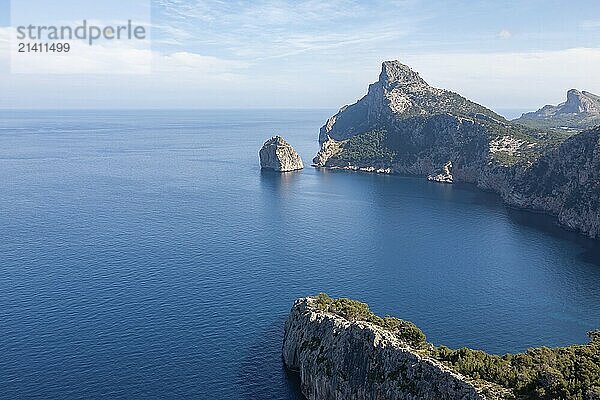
278, 155
580, 111
343, 351
405, 126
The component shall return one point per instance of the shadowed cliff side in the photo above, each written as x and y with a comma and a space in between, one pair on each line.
343, 351
405, 126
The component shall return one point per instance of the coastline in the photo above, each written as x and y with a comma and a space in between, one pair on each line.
474, 186
342, 350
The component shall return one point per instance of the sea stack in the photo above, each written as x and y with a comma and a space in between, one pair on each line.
279, 155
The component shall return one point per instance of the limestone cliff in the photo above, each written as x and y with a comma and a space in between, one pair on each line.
399, 93
343, 351
342, 360
564, 182
581, 110
329, 148
279, 155
405, 126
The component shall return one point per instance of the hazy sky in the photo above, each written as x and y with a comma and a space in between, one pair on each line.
314, 54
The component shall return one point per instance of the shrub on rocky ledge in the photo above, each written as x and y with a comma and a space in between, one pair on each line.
353, 311
563, 373
571, 372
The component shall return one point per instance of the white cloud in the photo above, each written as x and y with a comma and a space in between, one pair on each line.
197, 67
264, 13
512, 80
5, 33
590, 24
171, 35
4, 50
275, 29
312, 43
504, 34
117, 58
187, 79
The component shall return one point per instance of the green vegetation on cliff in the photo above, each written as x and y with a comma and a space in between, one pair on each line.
384, 147
564, 373
353, 310
567, 124
571, 372
581, 111
368, 147
405, 126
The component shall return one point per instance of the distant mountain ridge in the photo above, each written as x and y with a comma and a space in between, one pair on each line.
404, 126
581, 110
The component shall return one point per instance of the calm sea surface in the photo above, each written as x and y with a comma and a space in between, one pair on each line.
144, 255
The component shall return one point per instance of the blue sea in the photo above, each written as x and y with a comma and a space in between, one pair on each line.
144, 255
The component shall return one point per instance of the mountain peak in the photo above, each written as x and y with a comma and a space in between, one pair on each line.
581, 110
592, 95
400, 94
396, 73
580, 102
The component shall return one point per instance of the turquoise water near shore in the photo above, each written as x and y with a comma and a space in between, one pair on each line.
145, 255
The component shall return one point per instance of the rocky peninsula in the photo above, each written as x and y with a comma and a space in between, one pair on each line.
580, 111
405, 126
278, 155
343, 351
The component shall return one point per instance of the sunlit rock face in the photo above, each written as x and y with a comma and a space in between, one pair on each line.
405, 126
278, 155
398, 93
342, 360
580, 111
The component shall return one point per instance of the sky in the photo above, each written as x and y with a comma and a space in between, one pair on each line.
323, 54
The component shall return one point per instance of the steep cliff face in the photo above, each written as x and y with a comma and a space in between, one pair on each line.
279, 155
399, 93
581, 110
343, 351
405, 126
329, 148
579, 102
564, 182
419, 145
412, 128
342, 360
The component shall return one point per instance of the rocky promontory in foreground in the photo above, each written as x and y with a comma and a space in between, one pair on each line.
279, 155
343, 351
405, 126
